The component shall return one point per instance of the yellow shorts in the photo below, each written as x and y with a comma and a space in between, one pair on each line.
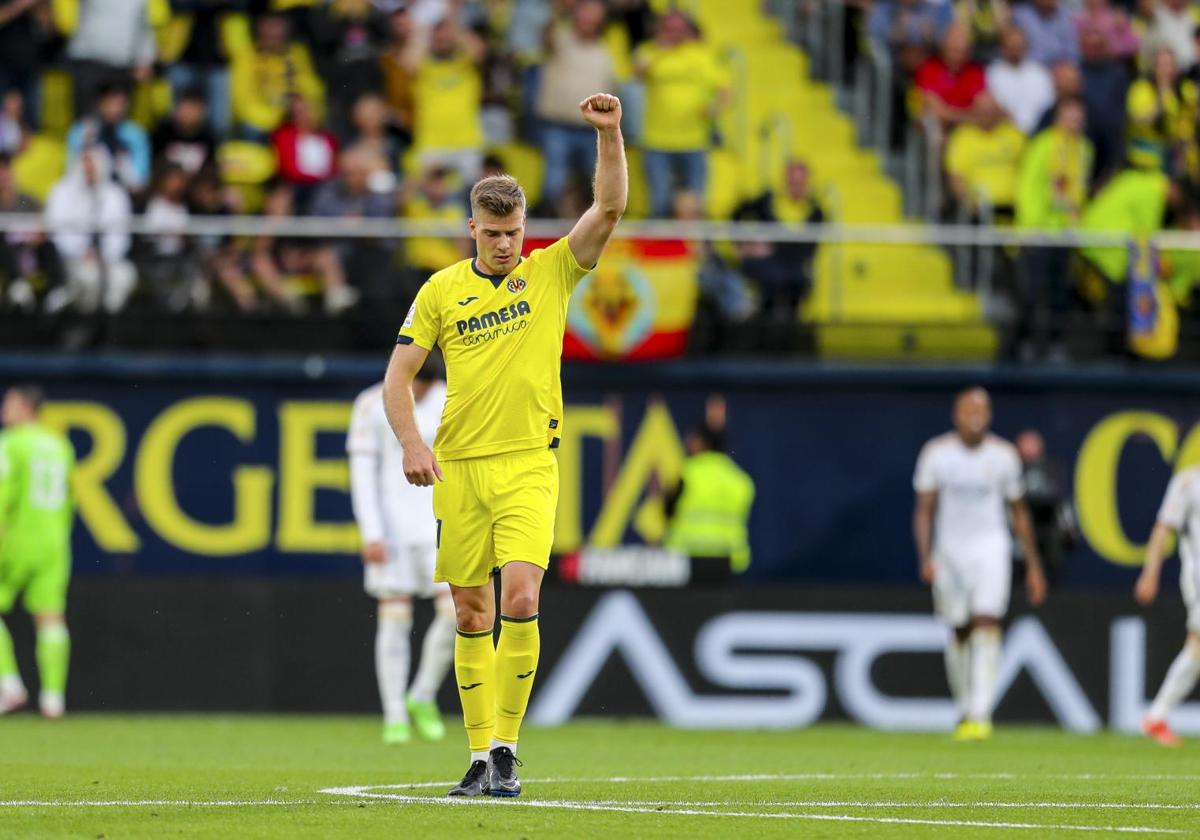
492, 511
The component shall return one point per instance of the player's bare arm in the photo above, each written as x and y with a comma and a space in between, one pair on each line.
591, 233
1035, 578
1146, 589
923, 533
420, 466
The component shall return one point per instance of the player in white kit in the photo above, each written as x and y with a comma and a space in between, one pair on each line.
968, 482
399, 538
1180, 513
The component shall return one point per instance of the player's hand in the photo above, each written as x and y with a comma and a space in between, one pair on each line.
420, 467
1035, 585
374, 553
1146, 589
602, 111
926, 570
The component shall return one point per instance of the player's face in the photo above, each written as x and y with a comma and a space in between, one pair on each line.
14, 409
972, 415
498, 240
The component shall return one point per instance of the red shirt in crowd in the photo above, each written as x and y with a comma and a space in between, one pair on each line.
305, 157
956, 89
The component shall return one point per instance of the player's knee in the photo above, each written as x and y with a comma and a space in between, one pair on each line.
397, 609
979, 622
474, 622
521, 604
50, 620
1192, 646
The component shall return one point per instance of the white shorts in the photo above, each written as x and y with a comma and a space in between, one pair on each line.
407, 572
1189, 585
972, 580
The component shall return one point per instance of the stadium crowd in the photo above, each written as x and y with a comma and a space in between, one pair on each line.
1055, 115
329, 108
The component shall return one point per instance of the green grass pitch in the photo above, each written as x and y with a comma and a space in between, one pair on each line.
123, 776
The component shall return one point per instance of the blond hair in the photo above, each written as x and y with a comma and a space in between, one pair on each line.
499, 195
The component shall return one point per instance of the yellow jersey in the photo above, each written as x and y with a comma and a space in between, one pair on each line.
428, 252
987, 160
681, 88
502, 340
446, 102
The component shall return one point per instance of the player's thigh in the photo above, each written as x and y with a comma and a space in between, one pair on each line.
523, 506
10, 587
1189, 587
392, 578
420, 566
991, 584
951, 596
465, 554
46, 590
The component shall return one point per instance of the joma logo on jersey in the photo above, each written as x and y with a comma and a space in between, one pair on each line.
488, 320
516, 285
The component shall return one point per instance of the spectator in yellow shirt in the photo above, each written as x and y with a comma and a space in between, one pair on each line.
264, 78
395, 66
1162, 109
982, 157
433, 200
685, 87
447, 100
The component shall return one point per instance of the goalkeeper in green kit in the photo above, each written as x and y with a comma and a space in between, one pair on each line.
36, 512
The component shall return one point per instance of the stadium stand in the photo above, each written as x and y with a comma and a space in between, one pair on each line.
897, 111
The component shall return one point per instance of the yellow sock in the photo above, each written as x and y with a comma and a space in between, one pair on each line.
475, 670
516, 661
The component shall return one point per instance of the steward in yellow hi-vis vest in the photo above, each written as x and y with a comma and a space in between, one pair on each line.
499, 321
711, 507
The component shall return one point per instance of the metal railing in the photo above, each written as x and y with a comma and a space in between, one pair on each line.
311, 227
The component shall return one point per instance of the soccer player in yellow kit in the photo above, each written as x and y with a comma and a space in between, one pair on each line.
499, 320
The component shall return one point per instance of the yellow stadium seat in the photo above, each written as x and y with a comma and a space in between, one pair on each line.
523, 162
57, 106
242, 162
43, 162
866, 298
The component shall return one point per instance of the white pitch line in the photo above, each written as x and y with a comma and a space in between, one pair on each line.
818, 777
696, 812
166, 803
938, 803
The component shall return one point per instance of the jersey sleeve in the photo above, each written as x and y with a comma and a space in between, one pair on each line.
1173, 512
363, 437
560, 261
1014, 479
423, 324
925, 477
7, 482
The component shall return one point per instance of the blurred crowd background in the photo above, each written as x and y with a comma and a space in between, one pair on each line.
1035, 116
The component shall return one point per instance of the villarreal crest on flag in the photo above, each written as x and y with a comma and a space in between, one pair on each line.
638, 303
1153, 317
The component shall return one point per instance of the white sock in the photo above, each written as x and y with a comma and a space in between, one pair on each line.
437, 653
478, 756
1180, 680
985, 662
957, 661
392, 641
512, 747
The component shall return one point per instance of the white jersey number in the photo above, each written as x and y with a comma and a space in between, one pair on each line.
47, 484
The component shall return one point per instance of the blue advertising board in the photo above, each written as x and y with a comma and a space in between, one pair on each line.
237, 467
